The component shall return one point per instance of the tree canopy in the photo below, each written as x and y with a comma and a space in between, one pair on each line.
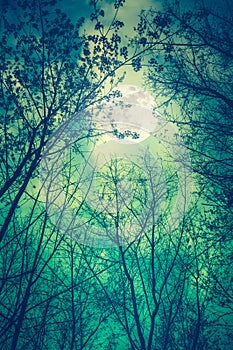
116, 200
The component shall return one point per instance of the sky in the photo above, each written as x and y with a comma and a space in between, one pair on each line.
131, 8
129, 15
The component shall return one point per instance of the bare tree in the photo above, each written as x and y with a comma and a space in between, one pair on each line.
191, 75
49, 71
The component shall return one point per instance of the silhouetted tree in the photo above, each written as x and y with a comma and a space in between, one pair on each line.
190, 73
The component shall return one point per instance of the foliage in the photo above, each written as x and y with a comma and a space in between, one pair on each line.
171, 287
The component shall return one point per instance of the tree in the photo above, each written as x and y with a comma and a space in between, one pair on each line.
49, 71
165, 283
149, 273
192, 70
190, 74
